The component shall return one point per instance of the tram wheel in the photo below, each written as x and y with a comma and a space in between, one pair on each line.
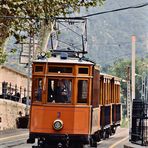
104, 135
107, 134
50, 145
114, 130
110, 132
97, 137
76, 145
93, 143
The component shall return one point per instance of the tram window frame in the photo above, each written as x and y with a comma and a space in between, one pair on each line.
117, 92
112, 90
81, 70
95, 88
69, 89
105, 90
35, 90
60, 69
83, 67
39, 65
101, 91
78, 90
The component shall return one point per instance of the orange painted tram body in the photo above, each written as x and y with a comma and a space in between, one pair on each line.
72, 103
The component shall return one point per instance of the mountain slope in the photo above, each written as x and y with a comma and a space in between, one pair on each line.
109, 35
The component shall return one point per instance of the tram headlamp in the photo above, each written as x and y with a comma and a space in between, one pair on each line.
42, 56
58, 124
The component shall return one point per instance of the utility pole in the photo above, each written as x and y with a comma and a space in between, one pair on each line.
28, 79
133, 82
128, 94
143, 96
133, 66
146, 89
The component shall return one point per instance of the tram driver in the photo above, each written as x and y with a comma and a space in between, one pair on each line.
61, 92
39, 91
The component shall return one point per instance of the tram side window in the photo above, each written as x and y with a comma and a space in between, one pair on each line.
83, 70
59, 90
38, 89
60, 69
38, 68
82, 91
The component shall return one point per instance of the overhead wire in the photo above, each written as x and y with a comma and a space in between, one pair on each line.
118, 43
116, 10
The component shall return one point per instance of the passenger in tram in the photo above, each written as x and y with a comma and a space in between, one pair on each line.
61, 92
39, 91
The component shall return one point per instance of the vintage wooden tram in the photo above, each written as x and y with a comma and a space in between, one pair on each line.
92, 109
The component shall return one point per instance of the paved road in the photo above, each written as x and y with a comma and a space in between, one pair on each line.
17, 139
14, 139
115, 140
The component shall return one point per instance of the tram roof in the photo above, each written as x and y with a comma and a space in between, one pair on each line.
69, 60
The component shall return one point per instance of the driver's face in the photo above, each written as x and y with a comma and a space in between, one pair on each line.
61, 84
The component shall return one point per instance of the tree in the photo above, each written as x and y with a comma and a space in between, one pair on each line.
120, 69
35, 16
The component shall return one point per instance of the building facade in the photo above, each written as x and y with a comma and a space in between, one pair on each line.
13, 78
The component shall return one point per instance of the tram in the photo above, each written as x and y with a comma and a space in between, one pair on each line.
73, 104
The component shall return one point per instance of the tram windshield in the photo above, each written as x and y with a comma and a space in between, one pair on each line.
59, 90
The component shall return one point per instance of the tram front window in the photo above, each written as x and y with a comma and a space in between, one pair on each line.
59, 90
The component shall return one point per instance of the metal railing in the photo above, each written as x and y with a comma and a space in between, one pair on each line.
139, 134
13, 92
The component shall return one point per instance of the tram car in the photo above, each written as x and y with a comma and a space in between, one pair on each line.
73, 104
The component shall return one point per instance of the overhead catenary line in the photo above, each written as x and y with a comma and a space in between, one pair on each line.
116, 10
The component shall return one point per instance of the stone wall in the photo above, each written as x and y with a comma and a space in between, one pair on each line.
9, 111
